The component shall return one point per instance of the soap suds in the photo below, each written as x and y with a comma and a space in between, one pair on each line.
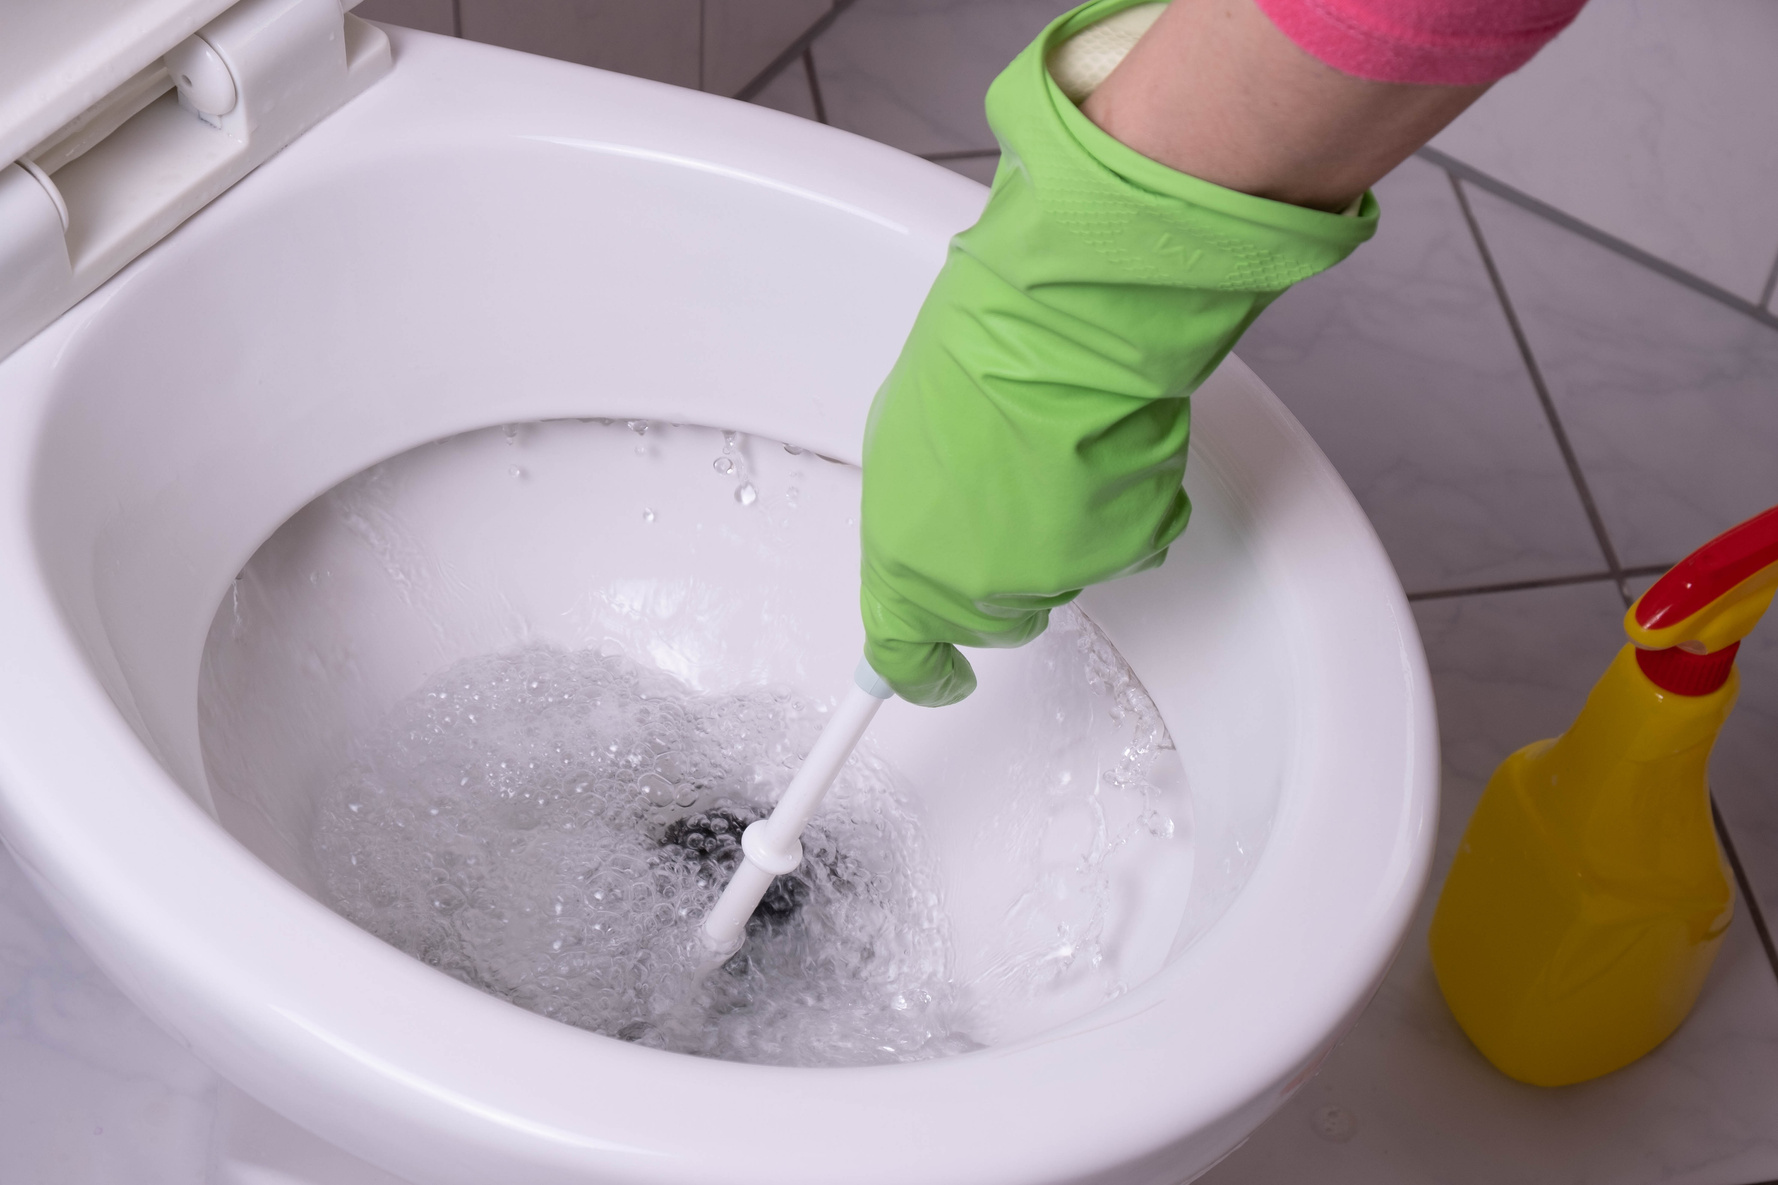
551, 826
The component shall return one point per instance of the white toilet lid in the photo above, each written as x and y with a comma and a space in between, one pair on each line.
57, 59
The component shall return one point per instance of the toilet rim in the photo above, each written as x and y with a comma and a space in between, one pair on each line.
214, 944
148, 861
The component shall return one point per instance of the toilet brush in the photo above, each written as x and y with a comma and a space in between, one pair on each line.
773, 846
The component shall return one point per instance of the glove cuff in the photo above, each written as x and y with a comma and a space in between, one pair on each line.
1138, 220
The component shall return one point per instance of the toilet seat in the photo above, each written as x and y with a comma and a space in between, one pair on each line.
120, 121
123, 518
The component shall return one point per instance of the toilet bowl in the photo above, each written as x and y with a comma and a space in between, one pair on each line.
483, 238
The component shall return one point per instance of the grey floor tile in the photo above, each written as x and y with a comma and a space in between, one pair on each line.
976, 168
1670, 399
657, 40
1509, 669
91, 1091
1406, 1100
1744, 766
433, 16
743, 37
1401, 365
913, 73
789, 92
1643, 119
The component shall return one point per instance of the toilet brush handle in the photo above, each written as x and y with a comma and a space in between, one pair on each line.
773, 846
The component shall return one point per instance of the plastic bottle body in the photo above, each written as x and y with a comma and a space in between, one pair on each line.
1589, 895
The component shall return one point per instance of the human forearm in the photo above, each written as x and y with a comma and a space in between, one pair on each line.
1217, 91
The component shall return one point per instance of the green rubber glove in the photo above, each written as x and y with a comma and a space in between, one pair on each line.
1031, 438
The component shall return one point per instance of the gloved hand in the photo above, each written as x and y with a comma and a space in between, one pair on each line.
1030, 440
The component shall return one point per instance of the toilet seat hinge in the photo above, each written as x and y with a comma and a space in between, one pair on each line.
112, 183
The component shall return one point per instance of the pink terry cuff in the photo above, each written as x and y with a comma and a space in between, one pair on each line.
1433, 42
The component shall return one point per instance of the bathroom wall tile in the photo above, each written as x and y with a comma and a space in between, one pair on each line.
655, 39
433, 16
742, 37
91, 1092
1651, 121
789, 92
1670, 398
1401, 364
914, 73
1406, 1100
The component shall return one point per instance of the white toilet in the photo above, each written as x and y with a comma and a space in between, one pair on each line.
477, 238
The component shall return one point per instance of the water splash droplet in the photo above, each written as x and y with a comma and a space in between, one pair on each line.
723, 465
515, 471
639, 427
791, 495
647, 515
745, 494
511, 432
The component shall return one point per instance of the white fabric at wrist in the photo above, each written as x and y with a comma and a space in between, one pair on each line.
1086, 59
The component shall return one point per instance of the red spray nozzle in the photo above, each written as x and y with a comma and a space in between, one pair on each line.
1689, 625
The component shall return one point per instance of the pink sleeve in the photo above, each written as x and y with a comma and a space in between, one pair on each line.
1442, 42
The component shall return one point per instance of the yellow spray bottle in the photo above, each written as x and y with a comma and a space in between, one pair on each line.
1589, 896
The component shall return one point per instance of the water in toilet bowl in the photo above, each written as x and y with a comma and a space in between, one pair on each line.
551, 826
519, 747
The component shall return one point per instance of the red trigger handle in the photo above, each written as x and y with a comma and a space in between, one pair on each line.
1710, 571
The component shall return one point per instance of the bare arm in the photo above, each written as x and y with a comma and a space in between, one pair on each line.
1216, 91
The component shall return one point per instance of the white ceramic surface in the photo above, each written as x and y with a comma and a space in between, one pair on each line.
488, 238
59, 59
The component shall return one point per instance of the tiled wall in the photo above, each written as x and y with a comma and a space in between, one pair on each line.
713, 45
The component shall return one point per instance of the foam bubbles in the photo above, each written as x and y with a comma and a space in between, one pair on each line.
551, 827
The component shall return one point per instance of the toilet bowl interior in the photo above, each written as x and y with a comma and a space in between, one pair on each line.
485, 238
1065, 853
297, 335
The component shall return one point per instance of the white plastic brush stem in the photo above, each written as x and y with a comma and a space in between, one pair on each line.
773, 846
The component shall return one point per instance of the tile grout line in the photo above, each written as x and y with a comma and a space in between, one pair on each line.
1610, 242
1746, 887
1475, 590
792, 52
814, 84
1563, 444
960, 154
